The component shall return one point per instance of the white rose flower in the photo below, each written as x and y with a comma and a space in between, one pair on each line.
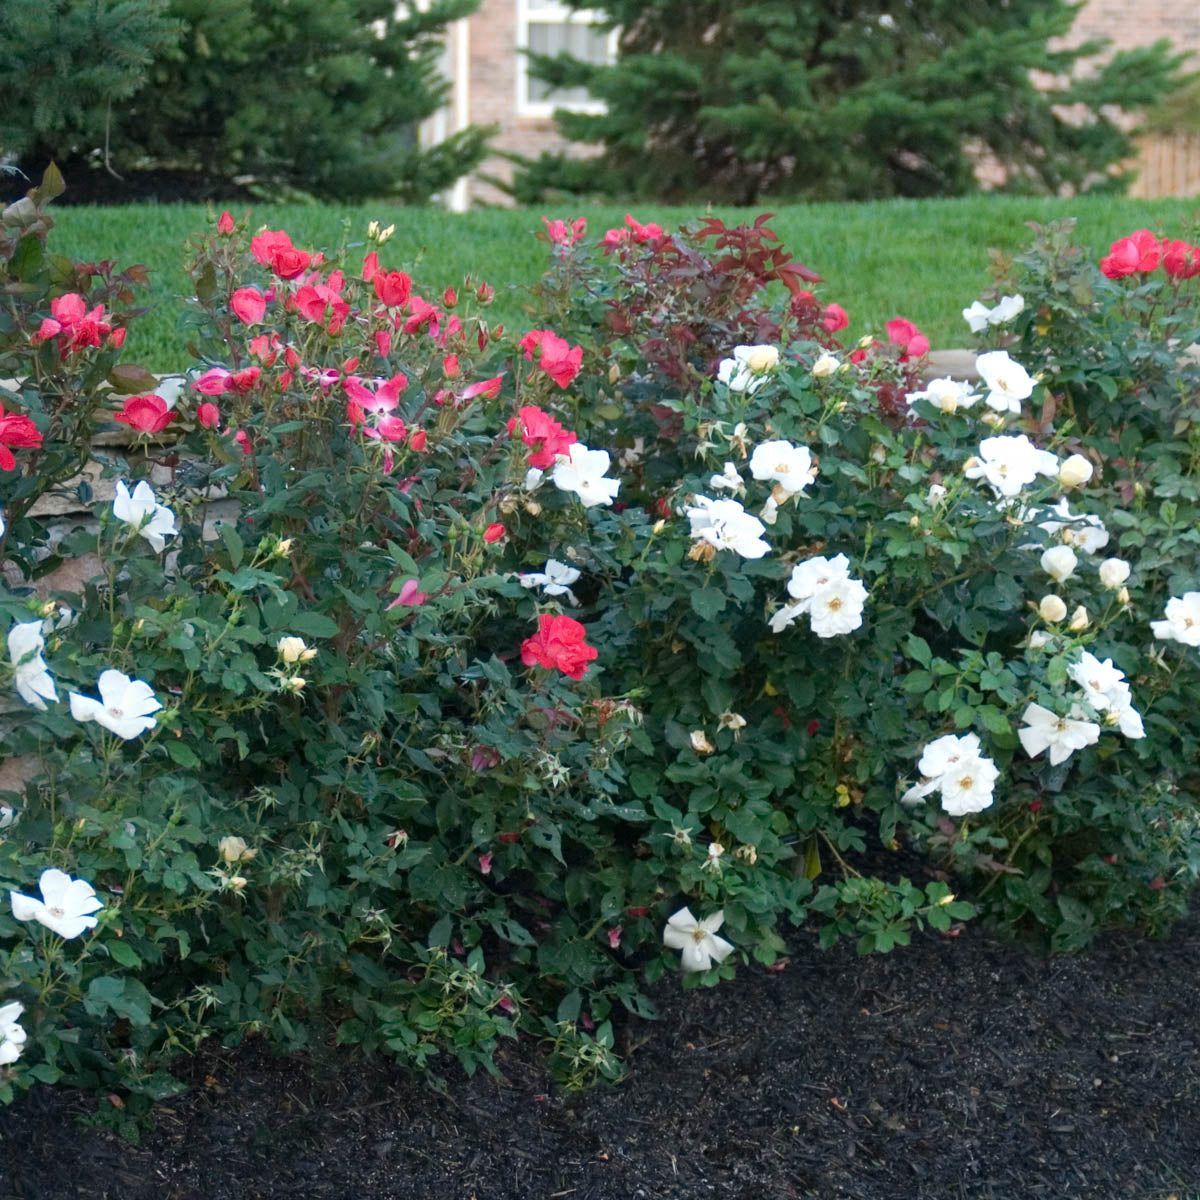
125, 706
726, 525
940, 757
789, 466
935, 494
1084, 531
1122, 713
1113, 573
783, 617
65, 907
1010, 463
729, 479
33, 681
947, 395
978, 317
1075, 471
837, 608
1007, 308
142, 513
697, 940
826, 365
748, 369
1007, 382
1103, 684
1079, 619
555, 580
1181, 621
811, 575
12, 1036
1059, 563
967, 787
582, 471
1043, 729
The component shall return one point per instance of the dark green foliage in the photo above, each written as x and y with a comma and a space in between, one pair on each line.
65, 63
732, 101
321, 97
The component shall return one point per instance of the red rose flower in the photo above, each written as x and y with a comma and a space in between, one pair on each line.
542, 434
833, 318
225, 224
392, 287
1137, 253
1180, 260
494, 532
16, 431
146, 414
209, 415
557, 357
559, 644
248, 305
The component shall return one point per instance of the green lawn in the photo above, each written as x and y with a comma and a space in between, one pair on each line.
921, 259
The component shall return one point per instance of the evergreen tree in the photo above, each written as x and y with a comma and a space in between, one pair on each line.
731, 100
321, 97
65, 64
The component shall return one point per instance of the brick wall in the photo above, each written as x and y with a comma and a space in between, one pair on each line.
493, 97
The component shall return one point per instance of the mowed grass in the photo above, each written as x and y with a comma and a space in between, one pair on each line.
923, 259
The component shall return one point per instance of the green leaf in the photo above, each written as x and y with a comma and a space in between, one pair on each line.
707, 602
313, 624
233, 544
124, 954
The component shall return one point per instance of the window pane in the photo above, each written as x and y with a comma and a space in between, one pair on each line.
551, 37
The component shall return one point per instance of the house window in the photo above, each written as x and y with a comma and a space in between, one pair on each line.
548, 28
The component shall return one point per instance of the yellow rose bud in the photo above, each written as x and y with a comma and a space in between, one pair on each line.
232, 849
291, 649
763, 359
1079, 620
1052, 608
1075, 472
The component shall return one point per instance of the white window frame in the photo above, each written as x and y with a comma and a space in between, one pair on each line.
537, 11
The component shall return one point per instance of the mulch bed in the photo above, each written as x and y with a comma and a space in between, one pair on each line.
954, 1068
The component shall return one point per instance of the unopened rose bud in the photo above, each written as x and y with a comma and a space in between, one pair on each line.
1038, 638
1075, 472
826, 365
1059, 563
865, 343
1123, 596
914, 522
237, 882
658, 526
533, 508
232, 849
700, 742
373, 230
614, 374
1113, 573
1052, 608
1079, 620
291, 648
385, 234
48, 609
878, 454
308, 655
763, 359
284, 548
948, 898
297, 683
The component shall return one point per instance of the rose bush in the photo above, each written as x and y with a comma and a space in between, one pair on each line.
432, 682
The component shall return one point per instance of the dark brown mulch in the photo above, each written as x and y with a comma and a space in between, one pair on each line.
955, 1068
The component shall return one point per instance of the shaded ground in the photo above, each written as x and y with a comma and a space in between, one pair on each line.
956, 1068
